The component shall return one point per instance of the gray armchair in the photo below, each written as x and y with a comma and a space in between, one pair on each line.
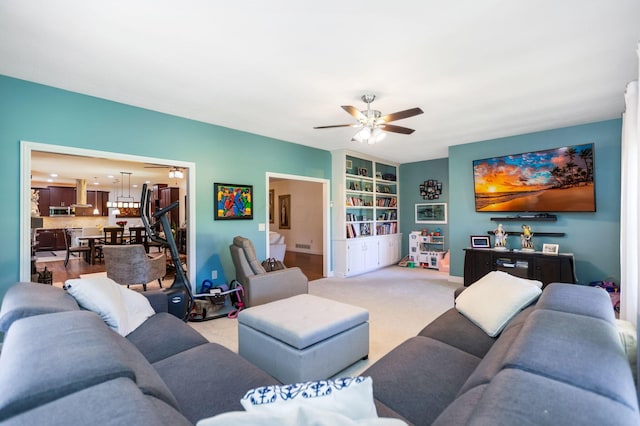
130, 264
260, 286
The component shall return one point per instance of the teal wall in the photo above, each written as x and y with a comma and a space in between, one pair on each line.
593, 238
411, 176
47, 115
43, 114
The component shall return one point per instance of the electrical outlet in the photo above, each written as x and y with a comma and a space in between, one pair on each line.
214, 274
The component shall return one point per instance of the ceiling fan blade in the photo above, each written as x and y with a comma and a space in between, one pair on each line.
397, 129
354, 111
335, 125
401, 114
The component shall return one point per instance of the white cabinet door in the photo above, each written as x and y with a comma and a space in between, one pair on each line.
389, 250
362, 254
355, 256
371, 260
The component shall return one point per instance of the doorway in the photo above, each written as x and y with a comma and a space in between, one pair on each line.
27, 148
306, 230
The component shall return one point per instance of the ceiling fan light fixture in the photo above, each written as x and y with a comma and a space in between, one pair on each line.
372, 124
175, 174
376, 136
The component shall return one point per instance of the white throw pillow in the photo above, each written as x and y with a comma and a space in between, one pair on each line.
350, 396
301, 416
494, 299
120, 308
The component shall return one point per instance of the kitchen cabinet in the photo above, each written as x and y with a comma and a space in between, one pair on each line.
169, 195
50, 239
61, 196
155, 196
46, 239
43, 201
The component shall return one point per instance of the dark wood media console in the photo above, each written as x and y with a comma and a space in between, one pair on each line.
532, 265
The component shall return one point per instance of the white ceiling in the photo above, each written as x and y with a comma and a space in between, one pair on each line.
478, 69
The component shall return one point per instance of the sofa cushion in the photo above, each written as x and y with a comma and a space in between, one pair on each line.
494, 299
113, 403
456, 330
493, 362
76, 352
577, 299
121, 309
222, 378
164, 335
385, 411
80, 351
516, 397
146, 377
26, 299
460, 411
420, 378
572, 346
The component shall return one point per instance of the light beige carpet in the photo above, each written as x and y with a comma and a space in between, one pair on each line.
401, 301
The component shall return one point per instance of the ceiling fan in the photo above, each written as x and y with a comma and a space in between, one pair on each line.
373, 124
174, 172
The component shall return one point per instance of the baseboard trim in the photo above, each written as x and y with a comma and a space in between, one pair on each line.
456, 279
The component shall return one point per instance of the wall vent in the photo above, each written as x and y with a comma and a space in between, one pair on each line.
303, 246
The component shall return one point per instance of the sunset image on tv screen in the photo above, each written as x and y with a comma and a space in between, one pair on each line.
553, 180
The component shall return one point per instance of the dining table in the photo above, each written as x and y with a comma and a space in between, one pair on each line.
93, 240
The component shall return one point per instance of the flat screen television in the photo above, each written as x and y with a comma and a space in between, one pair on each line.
552, 180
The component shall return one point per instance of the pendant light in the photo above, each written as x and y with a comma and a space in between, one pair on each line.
96, 212
121, 201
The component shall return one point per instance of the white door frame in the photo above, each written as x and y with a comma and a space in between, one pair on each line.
326, 209
27, 147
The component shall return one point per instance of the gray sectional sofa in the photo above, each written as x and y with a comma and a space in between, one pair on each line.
61, 365
558, 362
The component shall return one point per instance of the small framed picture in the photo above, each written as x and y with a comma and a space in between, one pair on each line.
431, 212
480, 241
232, 201
550, 248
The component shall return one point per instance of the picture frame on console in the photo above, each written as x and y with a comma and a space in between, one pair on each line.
480, 241
550, 248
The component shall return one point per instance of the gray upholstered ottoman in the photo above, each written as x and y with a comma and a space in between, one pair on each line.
303, 337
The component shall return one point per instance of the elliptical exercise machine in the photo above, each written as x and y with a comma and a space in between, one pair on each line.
180, 298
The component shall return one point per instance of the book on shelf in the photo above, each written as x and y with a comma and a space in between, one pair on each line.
357, 202
387, 228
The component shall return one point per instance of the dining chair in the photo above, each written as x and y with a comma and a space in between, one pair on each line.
113, 235
138, 235
73, 249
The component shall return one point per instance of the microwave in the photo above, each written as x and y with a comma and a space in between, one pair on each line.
61, 211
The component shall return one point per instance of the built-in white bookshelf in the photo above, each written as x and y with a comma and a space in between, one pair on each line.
366, 211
